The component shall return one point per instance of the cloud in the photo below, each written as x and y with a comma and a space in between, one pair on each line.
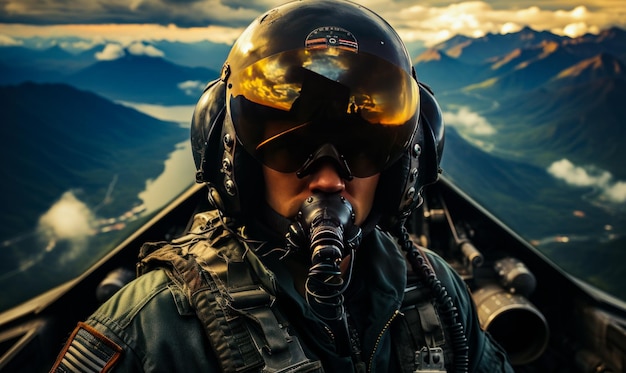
139, 49
125, 34
609, 190
192, 87
222, 21
469, 122
190, 13
113, 51
577, 176
80, 45
68, 219
110, 52
477, 18
616, 192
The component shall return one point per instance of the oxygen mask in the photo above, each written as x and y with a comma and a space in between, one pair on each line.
325, 228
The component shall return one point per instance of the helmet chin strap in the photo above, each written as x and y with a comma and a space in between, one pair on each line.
325, 227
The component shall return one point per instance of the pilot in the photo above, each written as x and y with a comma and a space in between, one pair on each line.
315, 144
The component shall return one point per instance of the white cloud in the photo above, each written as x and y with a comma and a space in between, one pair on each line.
576, 29
616, 192
79, 45
113, 51
609, 190
469, 122
476, 18
68, 219
192, 87
139, 49
414, 20
577, 176
110, 52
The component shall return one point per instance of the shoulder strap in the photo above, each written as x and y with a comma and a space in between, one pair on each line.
420, 335
228, 335
238, 315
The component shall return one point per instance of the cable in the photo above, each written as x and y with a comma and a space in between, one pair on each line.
447, 310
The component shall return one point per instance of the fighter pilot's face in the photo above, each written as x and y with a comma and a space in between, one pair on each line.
285, 192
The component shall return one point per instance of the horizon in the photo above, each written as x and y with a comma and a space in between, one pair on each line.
428, 23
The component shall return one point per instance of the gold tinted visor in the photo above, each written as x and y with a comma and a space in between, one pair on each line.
286, 106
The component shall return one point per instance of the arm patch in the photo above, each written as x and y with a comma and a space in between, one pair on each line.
87, 350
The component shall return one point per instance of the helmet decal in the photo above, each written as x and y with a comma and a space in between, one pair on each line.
331, 36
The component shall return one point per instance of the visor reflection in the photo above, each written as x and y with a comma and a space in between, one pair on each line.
294, 102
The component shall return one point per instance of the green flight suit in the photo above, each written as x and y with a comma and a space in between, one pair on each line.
150, 325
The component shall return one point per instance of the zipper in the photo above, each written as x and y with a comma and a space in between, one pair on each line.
380, 336
330, 333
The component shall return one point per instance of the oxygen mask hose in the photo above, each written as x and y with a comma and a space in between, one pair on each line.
325, 226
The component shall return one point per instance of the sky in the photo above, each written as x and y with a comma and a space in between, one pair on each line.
120, 24
429, 22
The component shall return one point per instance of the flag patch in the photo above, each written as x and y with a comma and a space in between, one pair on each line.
331, 36
87, 350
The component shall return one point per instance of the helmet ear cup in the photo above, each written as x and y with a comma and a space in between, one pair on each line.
239, 181
433, 127
217, 155
206, 122
206, 130
400, 186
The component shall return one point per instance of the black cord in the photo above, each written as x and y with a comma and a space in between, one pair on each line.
447, 310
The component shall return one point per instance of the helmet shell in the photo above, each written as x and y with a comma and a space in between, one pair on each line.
234, 177
288, 26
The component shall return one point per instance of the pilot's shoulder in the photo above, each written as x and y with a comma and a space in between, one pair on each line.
152, 294
130, 328
112, 332
445, 273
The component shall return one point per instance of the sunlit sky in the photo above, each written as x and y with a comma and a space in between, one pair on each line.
127, 21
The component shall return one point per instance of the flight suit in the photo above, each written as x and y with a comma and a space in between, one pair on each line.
151, 326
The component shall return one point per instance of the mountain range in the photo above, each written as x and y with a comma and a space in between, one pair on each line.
132, 76
541, 99
564, 95
143, 79
56, 138
544, 97
498, 64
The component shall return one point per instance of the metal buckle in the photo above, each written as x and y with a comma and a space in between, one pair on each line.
430, 360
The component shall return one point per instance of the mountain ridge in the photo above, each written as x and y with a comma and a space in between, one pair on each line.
59, 138
142, 79
132, 77
555, 93
479, 50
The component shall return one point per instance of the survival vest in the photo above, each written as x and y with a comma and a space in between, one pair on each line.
246, 330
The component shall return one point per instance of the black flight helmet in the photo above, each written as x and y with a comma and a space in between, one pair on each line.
313, 79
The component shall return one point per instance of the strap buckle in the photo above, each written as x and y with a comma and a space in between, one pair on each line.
430, 360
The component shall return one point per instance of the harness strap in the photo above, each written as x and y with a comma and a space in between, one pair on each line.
245, 329
431, 325
226, 331
421, 338
247, 332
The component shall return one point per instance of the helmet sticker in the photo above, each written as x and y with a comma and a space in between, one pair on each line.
331, 36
